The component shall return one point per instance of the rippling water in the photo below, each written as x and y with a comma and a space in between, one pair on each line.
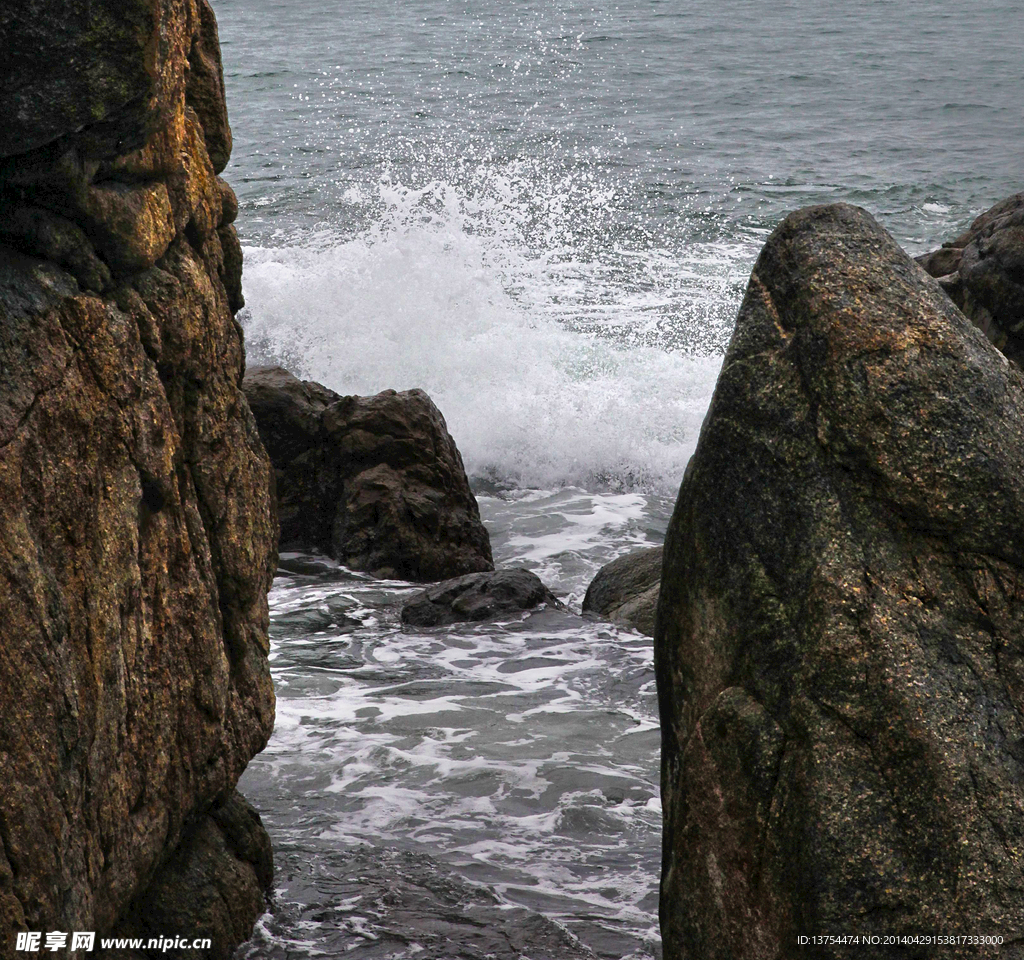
544, 214
472, 791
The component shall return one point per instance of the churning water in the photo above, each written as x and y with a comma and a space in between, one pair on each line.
544, 213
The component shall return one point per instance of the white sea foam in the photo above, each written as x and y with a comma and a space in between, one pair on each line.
522, 755
547, 371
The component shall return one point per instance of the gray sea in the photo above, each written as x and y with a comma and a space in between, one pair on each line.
544, 214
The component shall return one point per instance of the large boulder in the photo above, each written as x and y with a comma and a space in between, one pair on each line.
376, 482
626, 590
137, 532
840, 635
983, 271
476, 597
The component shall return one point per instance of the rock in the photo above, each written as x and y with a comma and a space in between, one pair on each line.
51, 237
94, 74
288, 411
135, 187
983, 271
626, 590
137, 532
376, 482
214, 886
405, 508
840, 635
477, 596
206, 88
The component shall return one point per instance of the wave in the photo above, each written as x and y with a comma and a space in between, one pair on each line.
553, 363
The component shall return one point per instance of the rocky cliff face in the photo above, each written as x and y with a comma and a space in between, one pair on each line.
137, 536
840, 633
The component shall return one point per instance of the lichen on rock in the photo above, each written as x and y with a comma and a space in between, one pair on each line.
840, 633
137, 533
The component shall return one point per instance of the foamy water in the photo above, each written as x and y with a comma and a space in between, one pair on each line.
509, 768
543, 380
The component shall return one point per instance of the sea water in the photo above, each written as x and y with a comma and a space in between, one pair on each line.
544, 214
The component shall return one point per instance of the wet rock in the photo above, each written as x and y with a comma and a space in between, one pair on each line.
840, 636
626, 590
288, 411
982, 270
214, 886
137, 532
477, 596
376, 482
51, 237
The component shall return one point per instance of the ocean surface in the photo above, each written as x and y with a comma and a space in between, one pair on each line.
544, 214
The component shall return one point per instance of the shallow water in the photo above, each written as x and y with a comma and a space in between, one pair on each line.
459, 791
544, 214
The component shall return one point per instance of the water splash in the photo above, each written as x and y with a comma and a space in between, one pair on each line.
552, 365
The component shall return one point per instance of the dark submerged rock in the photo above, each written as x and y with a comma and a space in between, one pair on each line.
414, 897
477, 596
376, 482
137, 532
626, 590
840, 634
983, 272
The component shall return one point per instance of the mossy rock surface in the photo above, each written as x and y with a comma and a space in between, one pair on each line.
840, 633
